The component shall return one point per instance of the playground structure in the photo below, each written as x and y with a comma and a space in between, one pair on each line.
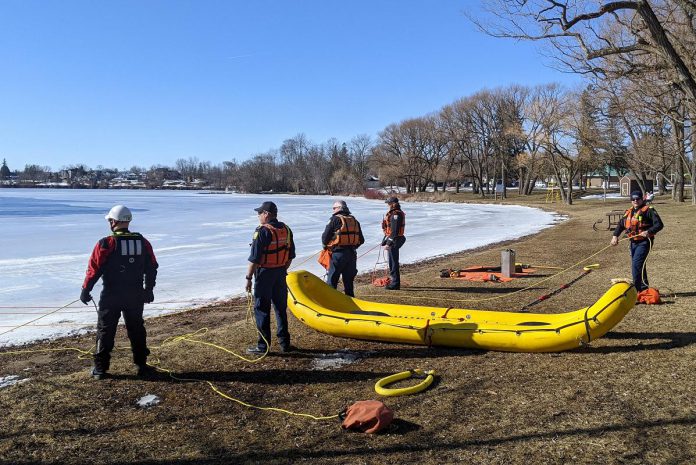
553, 193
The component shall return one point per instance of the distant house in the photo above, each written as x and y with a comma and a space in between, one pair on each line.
371, 182
629, 184
607, 178
174, 184
165, 174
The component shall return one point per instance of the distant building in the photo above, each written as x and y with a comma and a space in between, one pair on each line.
607, 178
371, 182
629, 184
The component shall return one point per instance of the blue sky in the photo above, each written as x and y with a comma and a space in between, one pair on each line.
147, 82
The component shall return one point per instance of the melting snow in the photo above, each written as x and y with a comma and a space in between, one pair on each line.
149, 400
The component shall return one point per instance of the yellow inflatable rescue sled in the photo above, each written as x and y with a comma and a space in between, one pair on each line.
329, 311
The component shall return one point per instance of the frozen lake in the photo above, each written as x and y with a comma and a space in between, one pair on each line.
201, 241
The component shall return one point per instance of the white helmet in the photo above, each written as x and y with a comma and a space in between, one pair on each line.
119, 213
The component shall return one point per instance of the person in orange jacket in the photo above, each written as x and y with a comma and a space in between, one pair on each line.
272, 252
393, 226
342, 236
641, 222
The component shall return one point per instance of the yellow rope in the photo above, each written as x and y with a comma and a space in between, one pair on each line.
188, 337
440, 299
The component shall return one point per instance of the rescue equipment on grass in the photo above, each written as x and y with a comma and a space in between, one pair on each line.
326, 310
635, 223
366, 416
348, 234
479, 273
324, 258
277, 254
586, 270
428, 376
649, 296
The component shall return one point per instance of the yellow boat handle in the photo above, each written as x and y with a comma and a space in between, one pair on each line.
428, 376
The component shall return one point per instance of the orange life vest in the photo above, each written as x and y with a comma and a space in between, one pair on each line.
348, 234
636, 224
277, 254
386, 222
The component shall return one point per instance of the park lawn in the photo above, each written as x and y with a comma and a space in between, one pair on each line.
628, 397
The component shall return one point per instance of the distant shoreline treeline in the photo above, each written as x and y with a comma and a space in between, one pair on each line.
514, 136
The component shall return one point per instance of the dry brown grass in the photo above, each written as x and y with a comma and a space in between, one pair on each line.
626, 398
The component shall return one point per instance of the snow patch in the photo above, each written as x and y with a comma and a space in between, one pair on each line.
335, 360
7, 381
149, 400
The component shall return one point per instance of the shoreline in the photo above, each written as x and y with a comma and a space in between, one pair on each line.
237, 300
194, 273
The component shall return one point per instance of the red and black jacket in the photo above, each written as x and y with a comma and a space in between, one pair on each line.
124, 260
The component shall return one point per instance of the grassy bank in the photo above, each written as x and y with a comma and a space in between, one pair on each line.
626, 398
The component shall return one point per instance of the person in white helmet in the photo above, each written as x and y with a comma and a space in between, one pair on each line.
125, 261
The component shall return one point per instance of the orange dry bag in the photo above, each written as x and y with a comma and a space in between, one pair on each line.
649, 296
325, 258
366, 416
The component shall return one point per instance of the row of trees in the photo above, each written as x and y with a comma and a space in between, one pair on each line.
639, 56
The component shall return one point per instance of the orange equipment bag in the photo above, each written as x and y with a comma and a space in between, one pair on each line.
649, 296
366, 416
381, 282
325, 258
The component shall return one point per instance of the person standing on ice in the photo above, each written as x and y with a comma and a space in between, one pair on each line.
393, 226
342, 236
125, 261
272, 251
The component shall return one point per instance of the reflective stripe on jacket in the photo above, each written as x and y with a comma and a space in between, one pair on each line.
122, 260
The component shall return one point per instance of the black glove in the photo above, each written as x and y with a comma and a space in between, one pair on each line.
148, 296
384, 242
85, 296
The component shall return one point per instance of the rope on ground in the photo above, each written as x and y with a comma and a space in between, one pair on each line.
375, 279
190, 338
